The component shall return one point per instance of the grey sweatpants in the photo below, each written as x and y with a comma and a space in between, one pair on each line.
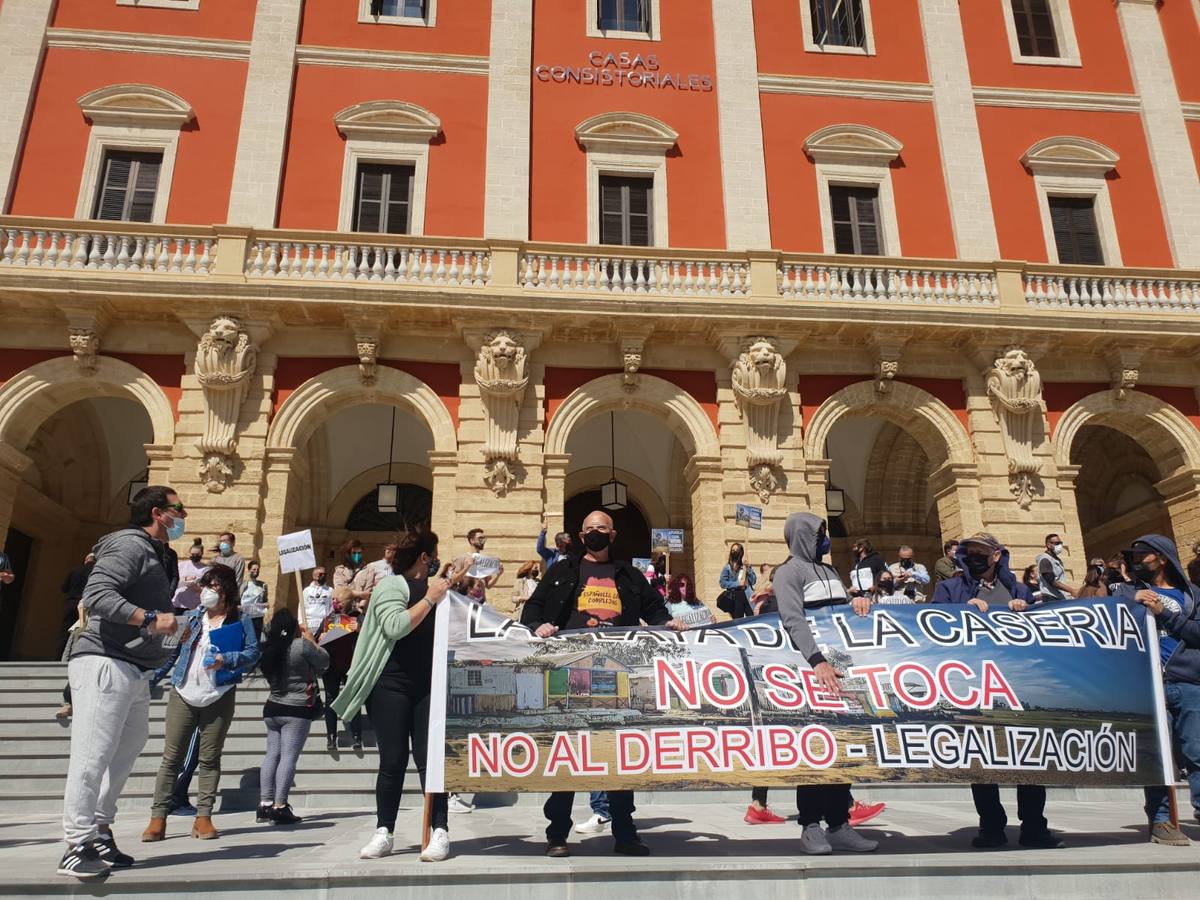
285, 739
110, 724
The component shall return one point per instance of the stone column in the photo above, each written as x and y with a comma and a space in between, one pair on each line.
816, 477
443, 464
506, 204
958, 131
1072, 533
955, 489
1166, 131
743, 166
23, 36
262, 136
1181, 495
704, 476
13, 464
277, 517
554, 489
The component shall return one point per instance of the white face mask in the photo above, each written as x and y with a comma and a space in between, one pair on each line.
209, 598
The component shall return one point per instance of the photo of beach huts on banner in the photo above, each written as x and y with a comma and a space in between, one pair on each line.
641, 708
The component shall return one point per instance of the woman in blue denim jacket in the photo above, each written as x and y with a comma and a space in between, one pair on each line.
205, 684
737, 576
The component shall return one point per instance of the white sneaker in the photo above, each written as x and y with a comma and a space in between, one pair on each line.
457, 804
814, 842
595, 825
378, 846
439, 846
846, 838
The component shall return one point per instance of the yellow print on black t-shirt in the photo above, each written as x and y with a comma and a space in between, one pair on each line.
599, 600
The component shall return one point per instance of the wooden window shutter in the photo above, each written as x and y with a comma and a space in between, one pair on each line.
128, 186
855, 213
1076, 236
626, 211
383, 198
1034, 22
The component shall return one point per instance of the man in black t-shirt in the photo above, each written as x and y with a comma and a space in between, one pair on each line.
594, 591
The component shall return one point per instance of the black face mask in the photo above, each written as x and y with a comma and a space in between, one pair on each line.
736, 556
596, 540
1143, 573
432, 569
886, 587
977, 565
906, 563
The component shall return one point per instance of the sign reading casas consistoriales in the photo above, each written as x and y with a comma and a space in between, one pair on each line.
621, 69
1067, 694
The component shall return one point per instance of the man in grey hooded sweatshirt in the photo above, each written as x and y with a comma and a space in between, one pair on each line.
804, 583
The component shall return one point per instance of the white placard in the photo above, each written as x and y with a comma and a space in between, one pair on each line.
296, 552
483, 566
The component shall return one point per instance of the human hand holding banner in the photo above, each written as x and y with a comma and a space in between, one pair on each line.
1059, 695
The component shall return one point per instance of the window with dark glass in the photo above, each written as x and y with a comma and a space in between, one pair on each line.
624, 15
1075, 233
383, 198
128, 185
839, 23
1034, 22
855, 213
409, 9
625, 211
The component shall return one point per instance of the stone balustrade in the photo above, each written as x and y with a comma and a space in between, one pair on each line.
252, 256
97, 246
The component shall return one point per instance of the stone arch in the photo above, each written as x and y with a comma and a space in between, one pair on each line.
135, 104
1166, 433
31, 396
626, 130
675, 406
388, 120
854, 142
322, 395
930, 422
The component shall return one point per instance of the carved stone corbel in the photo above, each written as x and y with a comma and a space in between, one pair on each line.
759, 381
226, 358
887, 348
1015, 388
84, 330
502, 374
632, 344
1123, 365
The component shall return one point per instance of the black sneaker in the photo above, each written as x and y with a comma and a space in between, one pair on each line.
83, 862
283, 815
264, 813
357, 745
631, 848
1045, 840
107, 848
331, 742
557, 850
988, 841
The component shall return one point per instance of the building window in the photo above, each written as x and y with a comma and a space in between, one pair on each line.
1041, 32
474, 678
854, 184
855, 212
1035, 27
383, 198
1070, 177
626, 211
397, 12
1075, 232
626, 19
161, 4
128, 186
837, 26
838, 22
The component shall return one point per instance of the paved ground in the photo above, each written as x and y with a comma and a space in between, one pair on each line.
698, 849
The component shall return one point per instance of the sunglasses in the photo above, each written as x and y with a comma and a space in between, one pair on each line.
178, 507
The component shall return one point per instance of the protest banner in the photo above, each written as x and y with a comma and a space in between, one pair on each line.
750, 516
483, 566
1066, 695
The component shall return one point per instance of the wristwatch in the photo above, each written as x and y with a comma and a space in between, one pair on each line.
148, 617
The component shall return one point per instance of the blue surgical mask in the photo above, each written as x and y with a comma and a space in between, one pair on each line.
824, 546
226, 548
176, 529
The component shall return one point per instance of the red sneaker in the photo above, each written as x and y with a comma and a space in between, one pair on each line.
861, 813
764, 816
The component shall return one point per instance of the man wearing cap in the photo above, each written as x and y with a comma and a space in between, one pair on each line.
984, 580
1160, 585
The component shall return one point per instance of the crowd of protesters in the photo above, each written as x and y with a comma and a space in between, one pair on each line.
144, 616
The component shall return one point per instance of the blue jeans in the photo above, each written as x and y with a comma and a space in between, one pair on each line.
598, 801
1183, 708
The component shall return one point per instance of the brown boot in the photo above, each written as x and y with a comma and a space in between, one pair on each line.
203, 829
155, 831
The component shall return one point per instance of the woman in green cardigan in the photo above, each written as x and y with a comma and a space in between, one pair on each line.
390, 675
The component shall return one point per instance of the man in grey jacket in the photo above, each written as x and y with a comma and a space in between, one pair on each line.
128, 598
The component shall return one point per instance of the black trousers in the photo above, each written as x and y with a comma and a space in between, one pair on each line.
558, 811
400, 719
1031, 803
830, 802
332, 680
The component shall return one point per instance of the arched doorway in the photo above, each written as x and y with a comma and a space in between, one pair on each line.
328, 449
70, 444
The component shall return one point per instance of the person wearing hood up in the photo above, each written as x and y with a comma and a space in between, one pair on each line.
985, 580
806, 582
1162, 586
